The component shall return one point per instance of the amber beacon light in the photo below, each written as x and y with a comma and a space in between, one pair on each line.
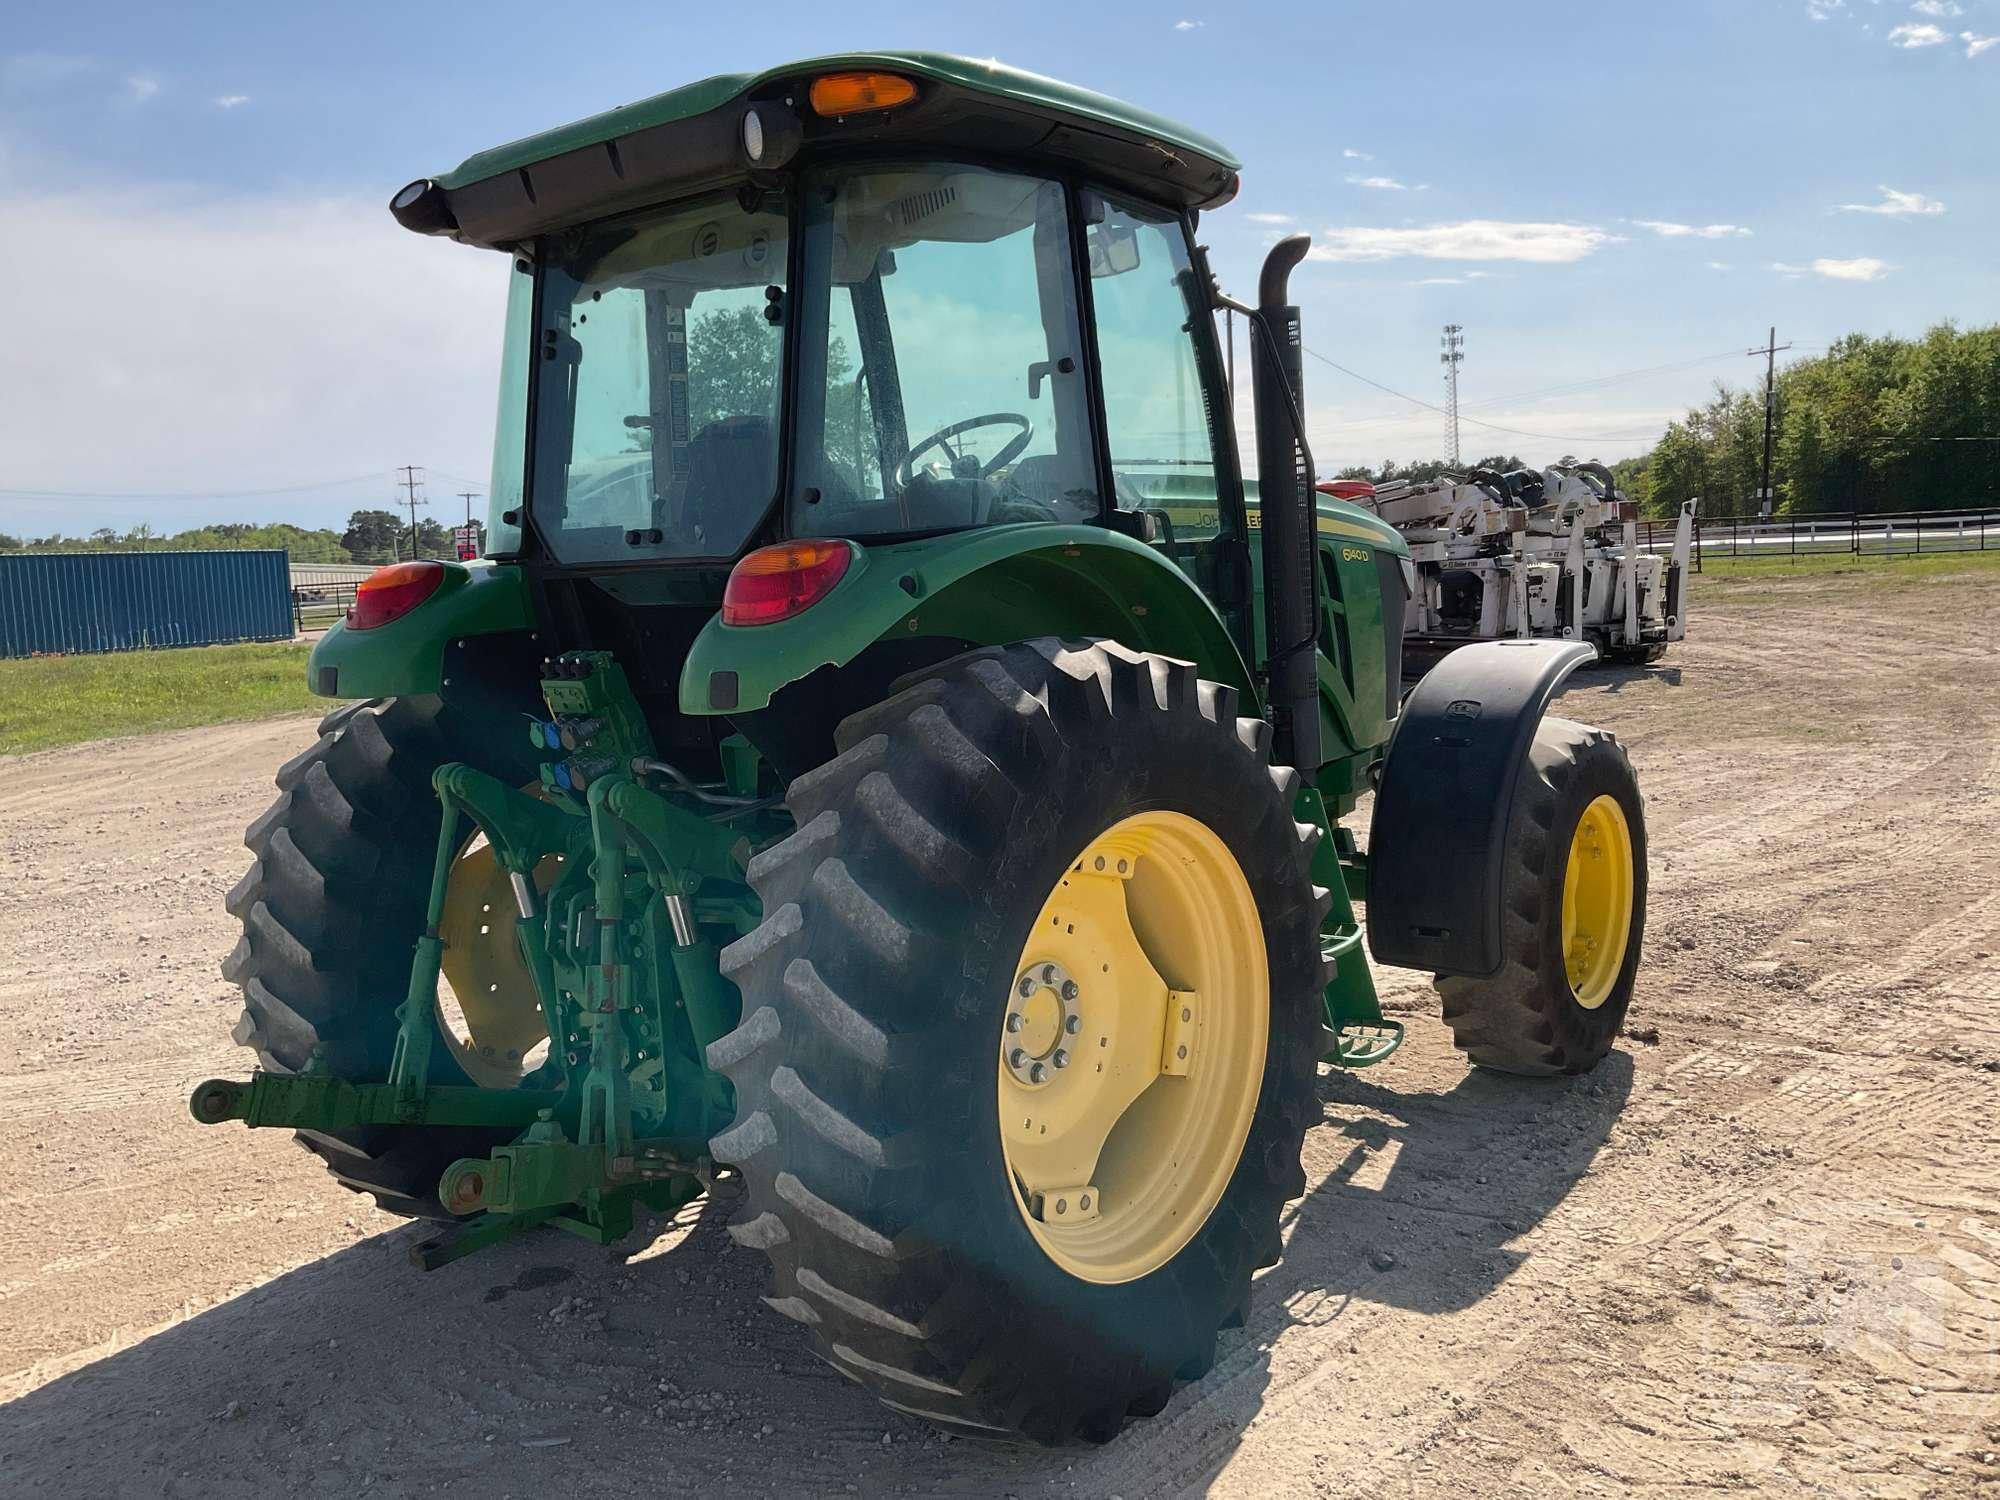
860, 93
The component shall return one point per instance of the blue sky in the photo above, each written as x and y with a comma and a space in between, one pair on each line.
205, 297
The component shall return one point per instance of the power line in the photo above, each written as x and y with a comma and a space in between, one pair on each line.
1603, 380
293, 489
1548, 437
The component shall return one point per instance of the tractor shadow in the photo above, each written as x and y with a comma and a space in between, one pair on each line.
1615, 679
546, 1364
1430, 1190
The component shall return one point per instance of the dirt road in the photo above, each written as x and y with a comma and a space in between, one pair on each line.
1758, 1250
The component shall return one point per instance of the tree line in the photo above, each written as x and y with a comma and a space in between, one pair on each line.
371, 536
1874, 424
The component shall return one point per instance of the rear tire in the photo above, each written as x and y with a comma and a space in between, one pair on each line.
873, 996
331, 909
1527, 1018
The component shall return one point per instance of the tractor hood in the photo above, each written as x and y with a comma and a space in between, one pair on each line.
697, 137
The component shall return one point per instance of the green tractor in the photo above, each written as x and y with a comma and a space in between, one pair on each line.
890, 767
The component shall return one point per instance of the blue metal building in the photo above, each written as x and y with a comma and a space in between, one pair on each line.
129, 601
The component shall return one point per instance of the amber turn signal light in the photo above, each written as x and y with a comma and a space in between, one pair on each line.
860, 93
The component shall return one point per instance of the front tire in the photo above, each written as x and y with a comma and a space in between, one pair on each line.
1573, 912
879, 1000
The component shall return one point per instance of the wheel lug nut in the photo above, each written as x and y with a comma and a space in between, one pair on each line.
1061, 1059
1048, 973
1027, 985
1017, 1059
1069, 989
1038, 1072
1073, 1025
1014, 1021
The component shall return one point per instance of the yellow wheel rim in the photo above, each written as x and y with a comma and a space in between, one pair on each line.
490, 1017
1132, 1047
1597, 901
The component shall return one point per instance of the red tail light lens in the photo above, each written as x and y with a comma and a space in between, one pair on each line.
392, 592
775, 583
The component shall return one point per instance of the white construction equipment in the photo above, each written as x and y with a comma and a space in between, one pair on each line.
1528, 553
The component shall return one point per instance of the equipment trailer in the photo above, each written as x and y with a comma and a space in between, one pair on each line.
1553, 553
880, 773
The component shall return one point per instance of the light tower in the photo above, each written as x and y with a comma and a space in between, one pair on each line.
1451, 359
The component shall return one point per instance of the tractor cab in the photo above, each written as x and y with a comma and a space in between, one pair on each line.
873, 298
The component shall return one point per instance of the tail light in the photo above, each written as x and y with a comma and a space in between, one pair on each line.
392, 592
775, 583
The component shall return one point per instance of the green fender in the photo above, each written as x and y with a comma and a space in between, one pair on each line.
990, 586
407, 654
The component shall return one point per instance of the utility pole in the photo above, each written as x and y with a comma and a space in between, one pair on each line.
468, 496
410, 483
1770, 352
1453, 356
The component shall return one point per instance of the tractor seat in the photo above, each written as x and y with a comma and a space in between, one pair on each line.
732, 464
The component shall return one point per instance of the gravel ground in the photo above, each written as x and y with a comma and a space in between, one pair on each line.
1758, 1249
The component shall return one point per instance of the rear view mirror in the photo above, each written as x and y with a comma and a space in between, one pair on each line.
1114, 248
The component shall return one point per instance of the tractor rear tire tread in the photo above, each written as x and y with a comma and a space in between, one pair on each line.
864, 1065
331, 909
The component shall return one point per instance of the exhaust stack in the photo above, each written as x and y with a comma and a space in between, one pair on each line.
1285, 487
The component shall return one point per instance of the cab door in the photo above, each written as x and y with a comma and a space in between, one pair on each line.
1170, 449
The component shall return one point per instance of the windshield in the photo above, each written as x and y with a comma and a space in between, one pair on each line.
942, 375
660, 348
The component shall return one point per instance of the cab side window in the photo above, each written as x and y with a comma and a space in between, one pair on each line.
1156, 410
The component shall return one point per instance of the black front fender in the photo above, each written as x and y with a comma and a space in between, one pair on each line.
1437, 845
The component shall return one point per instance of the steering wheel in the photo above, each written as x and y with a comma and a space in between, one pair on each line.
906, 470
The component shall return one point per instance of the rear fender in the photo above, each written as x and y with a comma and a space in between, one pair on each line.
1437, 845
987, 587
407, 655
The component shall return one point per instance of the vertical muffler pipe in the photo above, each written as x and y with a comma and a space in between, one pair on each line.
1285, 489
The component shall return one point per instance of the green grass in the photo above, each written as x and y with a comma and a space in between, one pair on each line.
46, 701
1882, 570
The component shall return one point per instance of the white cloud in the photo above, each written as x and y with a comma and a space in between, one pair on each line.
1942, 10
1909, 35
1472, 239
176, 338
1189, 25
1440, 281
1388, 183
1718, 265
231, 101
1269, 218
1696, 231
1822, 10
1862, 268
140, 88
1352, 155
1974, 45
1894, 204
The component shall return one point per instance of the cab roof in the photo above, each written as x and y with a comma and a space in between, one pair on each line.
687, 137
